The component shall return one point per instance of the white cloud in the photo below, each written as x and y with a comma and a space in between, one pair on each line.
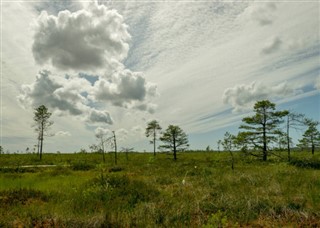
97, 116
123, 88
192, 51
241, 97
263, 13
121, 134
272, 46
62, 133
63, 95
137, 129
102, 131
149, 107
75, 95
137, 132
87, 39
55, 92
90, 39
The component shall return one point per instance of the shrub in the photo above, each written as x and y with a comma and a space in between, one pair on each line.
306, 163
82, 166
60, 170
115, 169
20, 196
113, 192
18, 170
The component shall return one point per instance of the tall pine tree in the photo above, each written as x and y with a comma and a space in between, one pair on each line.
262, 128
42, 125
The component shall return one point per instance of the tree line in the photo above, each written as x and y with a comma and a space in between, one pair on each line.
257, 137
261, 132
174, 138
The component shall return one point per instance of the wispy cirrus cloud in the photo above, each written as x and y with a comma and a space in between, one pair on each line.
62, 134
55, 6
192, 51
263, 13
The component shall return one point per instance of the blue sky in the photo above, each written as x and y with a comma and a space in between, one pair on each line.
115, 65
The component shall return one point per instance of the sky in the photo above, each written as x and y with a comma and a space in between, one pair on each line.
102, 66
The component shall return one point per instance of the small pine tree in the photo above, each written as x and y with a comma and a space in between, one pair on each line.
42, 125
174, 139
261, 129
151, 131
311, 137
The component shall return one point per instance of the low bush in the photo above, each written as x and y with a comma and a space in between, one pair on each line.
306, 163
18, 169
115, 169
82, 166
112, 192
20, 196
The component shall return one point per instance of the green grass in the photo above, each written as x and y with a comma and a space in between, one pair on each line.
198, 190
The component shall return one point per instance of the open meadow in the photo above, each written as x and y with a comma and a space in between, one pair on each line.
198, 190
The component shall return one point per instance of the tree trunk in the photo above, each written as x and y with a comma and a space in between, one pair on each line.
154, 142
264, 138
264, 158
264, 146
41, 141
288, 139
115, 147
41, 145
102, 145
312, 149
174, 148
38, 146
232, 160
103, 157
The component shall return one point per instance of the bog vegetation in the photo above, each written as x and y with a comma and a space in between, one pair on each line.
258, 179
200, 189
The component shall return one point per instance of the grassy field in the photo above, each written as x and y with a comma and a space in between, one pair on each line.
198, 190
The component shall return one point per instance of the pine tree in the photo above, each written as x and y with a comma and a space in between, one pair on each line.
311, 137
174, 139
151, 131
42, 125
262, 128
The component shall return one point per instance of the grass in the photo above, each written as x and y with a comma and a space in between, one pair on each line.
198, 190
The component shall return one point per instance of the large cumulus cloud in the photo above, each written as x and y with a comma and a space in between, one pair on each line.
57, 92
65, 95
241, 97
88, 39
88, 46
76, 95
122, 88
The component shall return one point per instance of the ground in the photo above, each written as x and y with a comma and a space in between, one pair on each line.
198, 190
